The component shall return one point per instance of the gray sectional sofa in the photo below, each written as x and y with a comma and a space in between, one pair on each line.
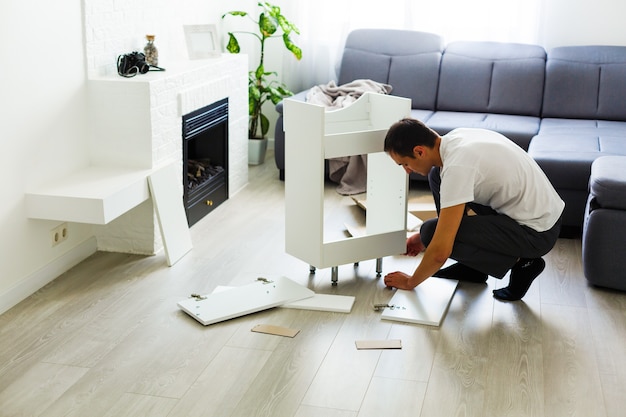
583, 118
566, 107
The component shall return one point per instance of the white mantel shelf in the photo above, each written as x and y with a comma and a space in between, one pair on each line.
93, 195
136, 128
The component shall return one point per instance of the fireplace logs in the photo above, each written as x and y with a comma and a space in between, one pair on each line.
200, 171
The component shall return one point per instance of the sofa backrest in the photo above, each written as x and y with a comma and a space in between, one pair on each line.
586, 82
407, 60
492, 77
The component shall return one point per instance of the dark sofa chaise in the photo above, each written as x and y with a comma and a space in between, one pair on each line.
566, 107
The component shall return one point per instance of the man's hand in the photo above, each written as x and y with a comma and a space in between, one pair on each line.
414, 245
398, 280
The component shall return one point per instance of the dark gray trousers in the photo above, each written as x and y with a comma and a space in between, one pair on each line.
490, 242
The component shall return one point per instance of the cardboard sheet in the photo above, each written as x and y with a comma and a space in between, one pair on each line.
275, 330
378, 344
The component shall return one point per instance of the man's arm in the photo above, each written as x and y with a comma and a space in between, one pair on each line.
437, 252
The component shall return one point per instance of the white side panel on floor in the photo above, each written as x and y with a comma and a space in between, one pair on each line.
247, 299
324, 302
168, 203
319, 302
426, 304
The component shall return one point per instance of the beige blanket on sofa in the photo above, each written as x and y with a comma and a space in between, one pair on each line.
349, 172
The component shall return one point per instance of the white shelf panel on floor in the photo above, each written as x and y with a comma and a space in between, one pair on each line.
426, 304
247, 299
93, 195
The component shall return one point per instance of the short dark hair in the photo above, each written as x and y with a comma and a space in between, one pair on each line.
406, 134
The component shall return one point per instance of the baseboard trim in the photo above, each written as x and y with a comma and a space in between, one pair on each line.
32, 283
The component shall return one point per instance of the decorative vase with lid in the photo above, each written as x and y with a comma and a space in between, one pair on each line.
151, 52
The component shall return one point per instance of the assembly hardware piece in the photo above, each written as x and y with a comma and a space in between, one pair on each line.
381, 307
198, 297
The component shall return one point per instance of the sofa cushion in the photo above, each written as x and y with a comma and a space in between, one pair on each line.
492, 77
566, 159
551, 126
410, 64
603, 243
520, 129
421, 114
586, 82
359, 64
607, 183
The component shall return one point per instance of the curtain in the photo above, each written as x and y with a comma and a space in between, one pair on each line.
324, 25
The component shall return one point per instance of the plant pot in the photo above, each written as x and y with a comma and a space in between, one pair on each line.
256, 151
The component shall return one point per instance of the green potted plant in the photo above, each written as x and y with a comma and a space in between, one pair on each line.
263, 85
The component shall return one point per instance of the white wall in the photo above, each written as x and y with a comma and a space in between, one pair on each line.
43, 127
586, 22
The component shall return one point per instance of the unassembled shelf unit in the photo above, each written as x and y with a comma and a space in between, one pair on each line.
313, 134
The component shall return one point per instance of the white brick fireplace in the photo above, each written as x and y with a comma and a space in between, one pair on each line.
137, 123
135, 129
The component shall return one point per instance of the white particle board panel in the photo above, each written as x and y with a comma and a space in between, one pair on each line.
344, 144
313, 134
387, 186
168, 203
426, 304
373, 111
319, 302
304, 188
355, 249
93, 195
355, 230
247, 299
412, 221
324, 302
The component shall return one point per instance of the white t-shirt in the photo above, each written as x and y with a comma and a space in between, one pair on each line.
487, 168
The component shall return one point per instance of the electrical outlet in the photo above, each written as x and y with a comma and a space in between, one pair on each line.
59, 234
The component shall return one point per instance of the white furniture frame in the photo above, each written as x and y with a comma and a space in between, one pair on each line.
313, 134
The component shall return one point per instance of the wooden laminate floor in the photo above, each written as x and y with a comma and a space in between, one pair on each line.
107, 339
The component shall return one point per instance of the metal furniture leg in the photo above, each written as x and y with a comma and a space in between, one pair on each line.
334, 276
379, 267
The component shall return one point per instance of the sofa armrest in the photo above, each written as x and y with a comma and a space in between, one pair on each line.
279, 134
301, 96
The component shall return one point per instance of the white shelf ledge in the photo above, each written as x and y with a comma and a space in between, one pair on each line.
93, 195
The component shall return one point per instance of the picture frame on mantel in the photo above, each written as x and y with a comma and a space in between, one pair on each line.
202, 41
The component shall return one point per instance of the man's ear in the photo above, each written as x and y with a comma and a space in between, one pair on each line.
418, 151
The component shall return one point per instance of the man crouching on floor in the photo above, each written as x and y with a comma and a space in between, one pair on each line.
517, 211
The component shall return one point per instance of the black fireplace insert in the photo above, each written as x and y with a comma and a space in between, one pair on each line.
205, 160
